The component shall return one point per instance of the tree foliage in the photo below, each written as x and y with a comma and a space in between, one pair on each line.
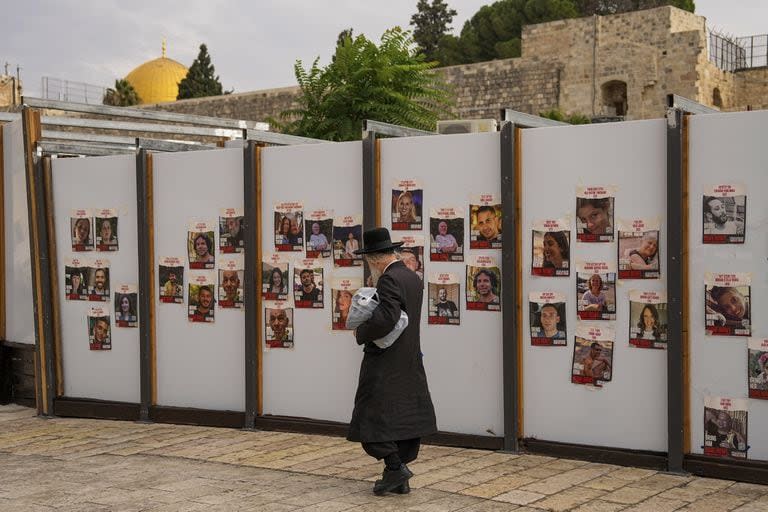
201, 79
602, 7
390, 83
430, 23
495, 30
559, 115
123, 95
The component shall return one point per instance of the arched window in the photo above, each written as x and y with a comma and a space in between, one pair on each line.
615, 97
717, 99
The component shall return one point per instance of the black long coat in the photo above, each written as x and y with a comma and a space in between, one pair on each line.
392, 401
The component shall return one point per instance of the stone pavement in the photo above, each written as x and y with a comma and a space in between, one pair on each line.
94, 465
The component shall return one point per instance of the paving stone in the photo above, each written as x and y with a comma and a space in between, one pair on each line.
632, 474
718, 502
568, 499
605, 483
519, 497
661, 482
752, 491
557, 483
600, 506
657, 504
498, 486
629, 495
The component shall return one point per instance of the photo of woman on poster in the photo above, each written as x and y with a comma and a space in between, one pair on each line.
125, 310
274, 284
342, 301
405, 209
74, 281
596, 290
728, 310
594, 219
407, 204
648, 319
82, 238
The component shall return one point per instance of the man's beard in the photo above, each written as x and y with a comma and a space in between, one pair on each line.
720, 219
375, 274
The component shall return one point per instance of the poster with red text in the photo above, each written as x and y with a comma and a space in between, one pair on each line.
728, 304
724, 214
551, 248
444, 299
725, 427
592, 355
638, 248
595, 213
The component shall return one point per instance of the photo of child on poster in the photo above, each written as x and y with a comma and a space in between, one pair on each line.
407, 204
342, 291
82, 234
126, 306
289, 227
727, 304
647, 319
200, 244
443, 297
231, 231
201, 302
75, 279
99, 333
725, 427
757, 366
308, 284
274, 277
347, 238
411, 252
596, 290
231, 283
171, 277
106, 230
98, 278
278, 326
592, 356
548, 320
319, 229
724, 213
551, 248
483, 284
485, 222
639, 250
446, 231
594, 214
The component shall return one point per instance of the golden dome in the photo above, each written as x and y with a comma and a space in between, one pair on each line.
157, 81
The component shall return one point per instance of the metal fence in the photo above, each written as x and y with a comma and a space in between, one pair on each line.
77, 92
734, 53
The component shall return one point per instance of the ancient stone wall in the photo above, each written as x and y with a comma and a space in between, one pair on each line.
7, 93
752, 88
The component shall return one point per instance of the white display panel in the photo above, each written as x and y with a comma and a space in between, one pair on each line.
317, 378
463, 363
98, 182
631, 410
18, 269
727, 149
198, 365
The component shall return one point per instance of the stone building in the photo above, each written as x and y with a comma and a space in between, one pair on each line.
10, 92
618, 65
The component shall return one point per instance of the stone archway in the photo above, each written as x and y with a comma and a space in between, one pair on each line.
614, 98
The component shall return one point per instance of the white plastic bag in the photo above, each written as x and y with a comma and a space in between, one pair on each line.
363, 303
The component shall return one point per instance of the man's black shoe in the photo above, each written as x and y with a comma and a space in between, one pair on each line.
392, 479
403, 489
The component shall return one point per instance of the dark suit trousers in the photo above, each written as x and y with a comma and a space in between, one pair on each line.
407, 449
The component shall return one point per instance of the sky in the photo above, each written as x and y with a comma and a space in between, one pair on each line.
253, 44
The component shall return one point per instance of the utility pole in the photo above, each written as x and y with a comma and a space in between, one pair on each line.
6, 68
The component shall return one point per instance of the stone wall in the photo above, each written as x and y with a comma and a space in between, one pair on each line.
7, 96
752, 88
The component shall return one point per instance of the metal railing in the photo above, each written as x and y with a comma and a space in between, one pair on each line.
65, 90
735, 53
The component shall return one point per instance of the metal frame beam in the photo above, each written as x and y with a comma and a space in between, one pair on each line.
392, 130
524, 120
146, 114
146, 266
280, 139
690, 106
251, 289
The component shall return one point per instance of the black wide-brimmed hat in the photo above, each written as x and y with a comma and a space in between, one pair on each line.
377, 240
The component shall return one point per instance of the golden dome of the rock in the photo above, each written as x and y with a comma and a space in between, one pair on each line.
157, 80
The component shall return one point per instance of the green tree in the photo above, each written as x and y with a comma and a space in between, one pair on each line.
559, 115
495, 31
201, 79
430, 23
390, 83
123, 95
601, 7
